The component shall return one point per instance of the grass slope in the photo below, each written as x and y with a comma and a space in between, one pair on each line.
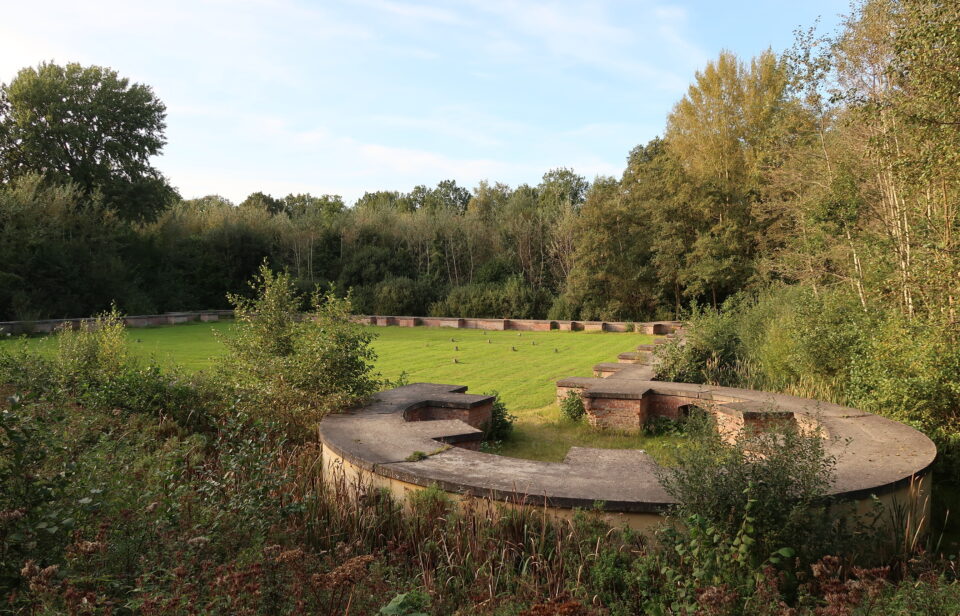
522, 366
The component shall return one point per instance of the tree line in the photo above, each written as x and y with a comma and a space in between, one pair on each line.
833, 165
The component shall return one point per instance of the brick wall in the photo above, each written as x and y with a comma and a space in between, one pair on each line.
672, 407
487, 324
530, 326
476, 416
728, 425
562, 393
614, 413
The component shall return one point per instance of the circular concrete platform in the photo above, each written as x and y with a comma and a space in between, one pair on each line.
423, 435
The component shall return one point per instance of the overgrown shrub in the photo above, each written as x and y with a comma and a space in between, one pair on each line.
827, 346
402, 296
191, 400
571, 407
26, 370
709, 351
660, 426
33, 517
92, 354
512, 299
296, 368
780, 475
501, 421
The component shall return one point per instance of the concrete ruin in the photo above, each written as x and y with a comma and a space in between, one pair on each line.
423, 435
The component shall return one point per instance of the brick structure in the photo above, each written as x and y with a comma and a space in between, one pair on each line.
616, 413
477, 415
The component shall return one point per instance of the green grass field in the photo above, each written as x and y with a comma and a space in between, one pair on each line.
522, 366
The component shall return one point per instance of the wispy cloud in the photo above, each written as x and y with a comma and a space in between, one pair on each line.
416, 11
589, 34
344, 97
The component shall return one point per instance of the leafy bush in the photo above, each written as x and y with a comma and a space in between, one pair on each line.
512, 299
571, 407
296, 368
93, 353
660, 426
27, 370
402, 296
708, 352
407, 604
501, 421
827, 346
33, 520
780, 475
190, 400
706, 565
562, 310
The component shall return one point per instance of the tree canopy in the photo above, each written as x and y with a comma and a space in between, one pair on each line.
89, 126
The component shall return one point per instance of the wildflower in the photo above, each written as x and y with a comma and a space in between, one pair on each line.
347, 574
11, 515
89, 547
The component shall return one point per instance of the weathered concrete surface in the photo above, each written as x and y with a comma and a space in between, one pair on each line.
377, 439
47, 326
876, 456
170, 318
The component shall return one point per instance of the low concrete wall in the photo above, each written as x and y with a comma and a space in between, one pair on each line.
487, 324
46, 326
879, 459
529, 325
339, 470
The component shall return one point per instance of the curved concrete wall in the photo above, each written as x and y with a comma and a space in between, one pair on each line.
877, 458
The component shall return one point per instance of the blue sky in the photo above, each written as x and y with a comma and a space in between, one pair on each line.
344, 97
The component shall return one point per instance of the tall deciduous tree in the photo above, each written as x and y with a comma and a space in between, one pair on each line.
89, 126
263, 201
724, 131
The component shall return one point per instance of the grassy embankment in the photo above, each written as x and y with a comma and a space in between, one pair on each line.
522, 366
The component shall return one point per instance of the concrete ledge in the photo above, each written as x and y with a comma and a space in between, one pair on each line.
46, 326
876, 457
376, 439
655, 327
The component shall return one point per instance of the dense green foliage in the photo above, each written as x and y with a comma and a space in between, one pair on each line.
571, 407
296, 367
501, 421
777, 477
89, 127
229, 516
827, 346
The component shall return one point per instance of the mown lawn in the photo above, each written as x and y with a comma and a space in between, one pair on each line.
522, 366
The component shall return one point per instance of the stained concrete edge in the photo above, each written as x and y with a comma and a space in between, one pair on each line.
879, 455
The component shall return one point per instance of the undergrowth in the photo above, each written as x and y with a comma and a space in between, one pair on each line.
125, 489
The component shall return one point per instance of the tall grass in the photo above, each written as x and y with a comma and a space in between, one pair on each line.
116, 499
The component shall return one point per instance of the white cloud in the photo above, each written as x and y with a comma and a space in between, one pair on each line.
415, 11
588, 34
301, 96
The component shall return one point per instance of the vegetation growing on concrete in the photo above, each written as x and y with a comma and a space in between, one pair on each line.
122, 507
808, 198
571, 407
